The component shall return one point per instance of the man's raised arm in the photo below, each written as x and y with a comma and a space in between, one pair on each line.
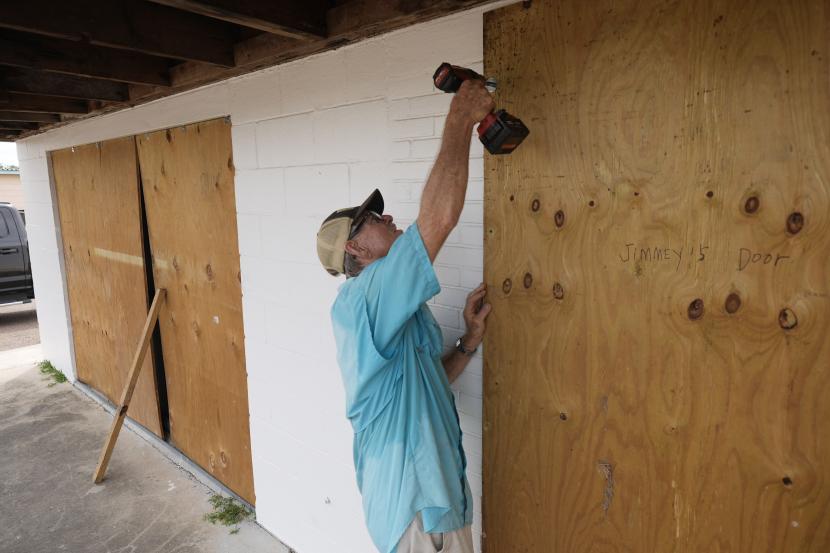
446, 188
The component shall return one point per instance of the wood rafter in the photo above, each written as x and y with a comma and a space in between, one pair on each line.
29, 116
56, 84
127, 24
298, 19
64, 56
13, 101
18, 125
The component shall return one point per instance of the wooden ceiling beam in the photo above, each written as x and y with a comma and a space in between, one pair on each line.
29, 81
297, 19
18, 125
29, 116
12, 101
64, 56
126, 24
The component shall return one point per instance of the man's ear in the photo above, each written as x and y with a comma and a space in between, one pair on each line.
353, 248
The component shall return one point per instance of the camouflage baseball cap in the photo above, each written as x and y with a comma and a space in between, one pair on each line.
335, 230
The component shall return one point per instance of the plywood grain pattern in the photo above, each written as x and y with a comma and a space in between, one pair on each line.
191, 214
657, 363
98, 200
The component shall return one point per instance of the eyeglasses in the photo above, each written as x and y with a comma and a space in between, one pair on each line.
365, 217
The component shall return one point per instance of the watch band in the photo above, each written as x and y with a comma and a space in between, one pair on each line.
459, 345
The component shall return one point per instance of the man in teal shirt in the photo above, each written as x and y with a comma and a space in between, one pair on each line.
408, 455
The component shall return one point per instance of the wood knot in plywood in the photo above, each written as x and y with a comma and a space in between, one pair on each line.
528, 280
795, 222
606, 469
209, 272
787, 319
559, 218
752, 204
733, 303
506, 286
558, 291
695, 309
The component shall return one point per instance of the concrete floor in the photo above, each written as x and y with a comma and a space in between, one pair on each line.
51, 438
18, 325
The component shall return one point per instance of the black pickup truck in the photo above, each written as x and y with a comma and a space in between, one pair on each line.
15, 265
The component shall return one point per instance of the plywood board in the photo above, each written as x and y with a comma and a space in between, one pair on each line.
98, 199
657, 252
187, 174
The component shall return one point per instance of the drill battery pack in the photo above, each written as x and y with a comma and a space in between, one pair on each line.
500, 132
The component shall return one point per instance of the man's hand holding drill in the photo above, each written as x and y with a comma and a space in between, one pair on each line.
471, 103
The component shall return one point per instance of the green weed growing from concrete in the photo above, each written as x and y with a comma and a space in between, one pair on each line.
227, 511
48, 370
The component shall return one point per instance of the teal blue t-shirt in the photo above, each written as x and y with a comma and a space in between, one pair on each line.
407, 440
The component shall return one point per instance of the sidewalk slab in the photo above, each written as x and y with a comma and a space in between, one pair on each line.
52, 437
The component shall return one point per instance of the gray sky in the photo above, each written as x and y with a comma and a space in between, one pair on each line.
8, 153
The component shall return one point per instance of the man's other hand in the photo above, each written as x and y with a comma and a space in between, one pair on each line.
475, 316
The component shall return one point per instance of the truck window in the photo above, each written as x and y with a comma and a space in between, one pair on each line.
4, 228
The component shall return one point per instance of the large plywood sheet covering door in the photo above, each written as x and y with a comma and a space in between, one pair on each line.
187, 174
98, 200
657, 367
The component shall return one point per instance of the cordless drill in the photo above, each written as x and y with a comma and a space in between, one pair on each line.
500, 132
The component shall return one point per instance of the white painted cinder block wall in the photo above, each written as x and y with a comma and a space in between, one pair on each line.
308, 137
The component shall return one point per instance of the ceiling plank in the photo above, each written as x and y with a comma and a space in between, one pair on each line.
12, 101
29, 116
127, 24
298, 19
64, 56
18, 125
56, 84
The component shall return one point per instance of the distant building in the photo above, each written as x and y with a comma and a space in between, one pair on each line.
10, 188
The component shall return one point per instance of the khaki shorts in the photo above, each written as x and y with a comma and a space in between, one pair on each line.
415, 540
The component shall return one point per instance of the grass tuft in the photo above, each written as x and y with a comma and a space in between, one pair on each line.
227, 511
48, 370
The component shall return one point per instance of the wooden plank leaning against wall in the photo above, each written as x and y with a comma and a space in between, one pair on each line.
97, 191
191, 214
657, 252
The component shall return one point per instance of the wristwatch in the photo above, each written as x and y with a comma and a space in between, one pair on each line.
460, 347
